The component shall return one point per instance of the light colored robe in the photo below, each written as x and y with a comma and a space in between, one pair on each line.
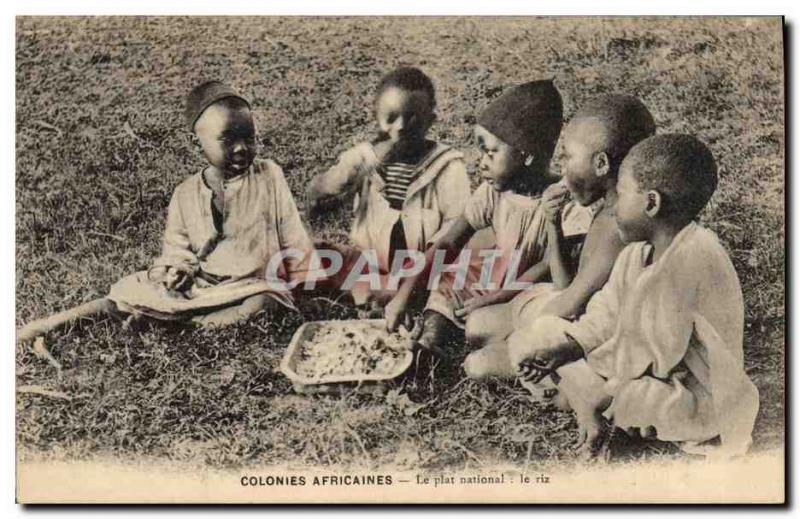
433, 201
518, 224
260, 220
665, 342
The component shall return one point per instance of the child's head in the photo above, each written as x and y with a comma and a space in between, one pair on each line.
404, 105
222, 122
517, 134
596, 140
664, 180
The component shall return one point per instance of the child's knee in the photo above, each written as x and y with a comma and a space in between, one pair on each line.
474, 367
476, 328
490, 361
473, 332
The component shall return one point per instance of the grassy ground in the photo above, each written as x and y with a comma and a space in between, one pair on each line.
100, 147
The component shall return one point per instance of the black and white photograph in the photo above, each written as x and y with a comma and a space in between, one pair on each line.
400, 259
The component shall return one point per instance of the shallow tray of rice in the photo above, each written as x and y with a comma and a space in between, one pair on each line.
336, 352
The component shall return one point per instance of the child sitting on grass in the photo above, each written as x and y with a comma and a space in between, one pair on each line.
407, 188
517, 134
224, 225
594, 144
659, 349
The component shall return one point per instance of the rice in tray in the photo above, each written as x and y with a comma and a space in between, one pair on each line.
350, 349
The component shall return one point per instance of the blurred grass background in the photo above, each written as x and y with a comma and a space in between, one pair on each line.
101, 146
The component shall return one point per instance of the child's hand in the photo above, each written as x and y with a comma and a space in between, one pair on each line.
473, 303
554, 198
382, 149
396, 314
545, 361
178, 279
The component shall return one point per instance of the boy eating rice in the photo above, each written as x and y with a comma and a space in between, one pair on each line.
406, 188
224, 226
659, 349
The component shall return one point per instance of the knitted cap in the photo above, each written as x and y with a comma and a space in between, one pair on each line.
527, 117
203, 96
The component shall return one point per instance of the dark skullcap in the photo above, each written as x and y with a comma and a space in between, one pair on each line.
203, 96
527, 117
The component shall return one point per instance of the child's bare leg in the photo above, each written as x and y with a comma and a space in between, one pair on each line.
586, 395
239, 312
488, 325
490, 361
98, 307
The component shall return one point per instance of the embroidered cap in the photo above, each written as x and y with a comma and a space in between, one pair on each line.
203, 96
527, 117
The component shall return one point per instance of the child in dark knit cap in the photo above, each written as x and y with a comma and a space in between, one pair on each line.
516, 134
407, 188
224, 225
594, 143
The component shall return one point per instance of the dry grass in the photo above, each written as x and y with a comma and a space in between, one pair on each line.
100, 148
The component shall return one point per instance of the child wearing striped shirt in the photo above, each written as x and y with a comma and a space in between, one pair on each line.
406, 188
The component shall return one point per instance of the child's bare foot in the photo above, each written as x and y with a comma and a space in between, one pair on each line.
437, 331
594, 438
30, 331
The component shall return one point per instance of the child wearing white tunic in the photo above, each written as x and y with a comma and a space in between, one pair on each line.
227, 263
659, 350
224, 226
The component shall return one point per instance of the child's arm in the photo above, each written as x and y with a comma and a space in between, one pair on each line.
292, 232
554, 198
552, 342
453, 193
451, 241
601, 248
342, 179
532, 275
178, 263
555, 258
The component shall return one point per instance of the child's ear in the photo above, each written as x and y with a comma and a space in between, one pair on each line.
194, 142
653, 203
601, 164
431, 119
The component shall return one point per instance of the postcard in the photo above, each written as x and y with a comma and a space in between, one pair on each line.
400, 259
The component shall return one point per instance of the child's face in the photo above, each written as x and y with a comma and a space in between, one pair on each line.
583, 139
227, 137
500, 164
632, 219
405, 116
